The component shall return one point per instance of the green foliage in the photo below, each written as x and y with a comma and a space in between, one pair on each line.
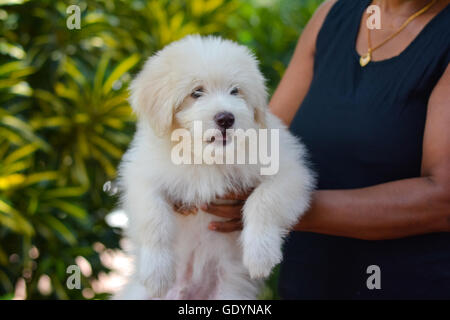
65, 120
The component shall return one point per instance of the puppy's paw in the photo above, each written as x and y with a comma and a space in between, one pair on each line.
261, 253
156, 273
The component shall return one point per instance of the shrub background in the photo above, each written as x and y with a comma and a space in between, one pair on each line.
65, 120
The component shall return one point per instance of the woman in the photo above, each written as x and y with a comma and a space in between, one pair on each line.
378, 134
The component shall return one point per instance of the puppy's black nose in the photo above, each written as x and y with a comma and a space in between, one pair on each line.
224, 119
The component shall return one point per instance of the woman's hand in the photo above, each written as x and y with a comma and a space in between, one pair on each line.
232, 212
184, 210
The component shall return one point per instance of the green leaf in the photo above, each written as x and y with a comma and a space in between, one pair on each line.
10, 66
65, 192
3, 257
79, 171
20, 153
107, 146
15, 167
65, 92
109, 168
24, 129
10, 49
117, 100
10, 181
100, 73
11, 136
119, 71
71, 69
49, 98
38, 123
61, 229
12, 2
41, 176
69, 208
12, 219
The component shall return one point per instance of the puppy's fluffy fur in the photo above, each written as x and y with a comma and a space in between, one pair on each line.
177, 257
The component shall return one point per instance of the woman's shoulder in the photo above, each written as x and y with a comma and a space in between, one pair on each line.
314, 25
321, 13
333, 13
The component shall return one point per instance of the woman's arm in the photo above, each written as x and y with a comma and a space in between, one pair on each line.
296, 80
386, 211
400, 208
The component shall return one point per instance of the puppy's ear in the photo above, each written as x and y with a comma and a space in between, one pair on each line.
259, 101
152, 98
260, 115
257, 93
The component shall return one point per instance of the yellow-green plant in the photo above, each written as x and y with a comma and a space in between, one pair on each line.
65, 121
90, 114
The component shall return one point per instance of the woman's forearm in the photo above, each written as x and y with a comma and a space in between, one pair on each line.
386, 211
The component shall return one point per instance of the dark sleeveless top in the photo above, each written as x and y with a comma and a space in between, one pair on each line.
362, 127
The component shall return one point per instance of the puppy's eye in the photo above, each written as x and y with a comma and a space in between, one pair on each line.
234, 91
197, 93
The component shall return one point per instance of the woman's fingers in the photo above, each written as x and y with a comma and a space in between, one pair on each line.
232, 212
185, 210
226, 226
235, 196
229, 211
224, 210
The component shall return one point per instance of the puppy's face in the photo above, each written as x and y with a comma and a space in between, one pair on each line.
220, 108
208, 80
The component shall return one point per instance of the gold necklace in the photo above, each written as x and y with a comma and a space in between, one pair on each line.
366, 58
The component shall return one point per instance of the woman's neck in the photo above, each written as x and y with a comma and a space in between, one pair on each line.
401, 7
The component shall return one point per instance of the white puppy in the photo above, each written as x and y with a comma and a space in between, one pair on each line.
215, 82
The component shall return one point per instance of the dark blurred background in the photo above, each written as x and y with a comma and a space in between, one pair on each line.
65, 122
